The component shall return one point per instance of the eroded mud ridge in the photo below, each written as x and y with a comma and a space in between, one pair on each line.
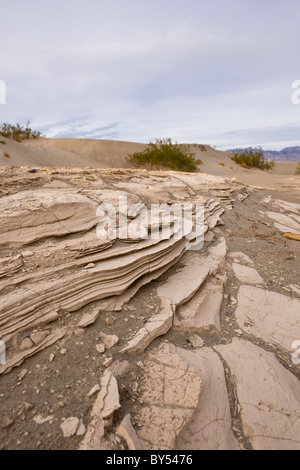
142, 343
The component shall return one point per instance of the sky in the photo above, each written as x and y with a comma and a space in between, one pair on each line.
216, 72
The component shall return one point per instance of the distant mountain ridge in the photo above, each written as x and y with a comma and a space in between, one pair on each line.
288, 154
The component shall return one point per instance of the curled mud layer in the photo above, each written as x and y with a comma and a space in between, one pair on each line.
140, 342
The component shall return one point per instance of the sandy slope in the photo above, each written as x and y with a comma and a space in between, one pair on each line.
69, 152
112, 154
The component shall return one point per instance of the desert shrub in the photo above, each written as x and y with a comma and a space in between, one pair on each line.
202, 148
2, 142
6, 155
162, 153
17, 132
249, 158
297, 172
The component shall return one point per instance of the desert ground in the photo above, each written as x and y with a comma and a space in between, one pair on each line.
139, 342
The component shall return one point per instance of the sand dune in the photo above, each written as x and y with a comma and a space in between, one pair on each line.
77, 153
80, 153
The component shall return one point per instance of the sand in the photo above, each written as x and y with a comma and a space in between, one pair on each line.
79, 153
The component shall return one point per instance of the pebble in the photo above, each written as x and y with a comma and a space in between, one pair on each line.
130, 308
100, 348
6, 423
90, 265
26, 344
109, 340
238, 332
79, 332
22, 374
27, 406
39, 336
70, 426
196, 341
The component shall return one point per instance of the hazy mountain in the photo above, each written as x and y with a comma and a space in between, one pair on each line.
288, 154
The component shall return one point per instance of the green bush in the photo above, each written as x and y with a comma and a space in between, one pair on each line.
297, 172
2, 142
17, 132
249, 158
202, 148
162, 153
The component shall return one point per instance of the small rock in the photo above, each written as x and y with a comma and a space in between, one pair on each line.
39, 336
27, 253
79, 332
196, 341
27, 406
109, 340
100, 348
22, 374
238, 332
119, 368
26, 344
70, 426
40, 420
88, 318
63, 351
51, 357
90, 265
246, 275
110, 321
130, 308
6, 423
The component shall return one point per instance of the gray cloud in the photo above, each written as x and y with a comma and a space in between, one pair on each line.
213, 72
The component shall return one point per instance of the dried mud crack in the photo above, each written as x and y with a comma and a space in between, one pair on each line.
139, 342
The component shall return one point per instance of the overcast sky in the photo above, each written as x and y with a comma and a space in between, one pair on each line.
217, 72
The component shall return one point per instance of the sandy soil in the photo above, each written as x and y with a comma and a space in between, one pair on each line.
112, 154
